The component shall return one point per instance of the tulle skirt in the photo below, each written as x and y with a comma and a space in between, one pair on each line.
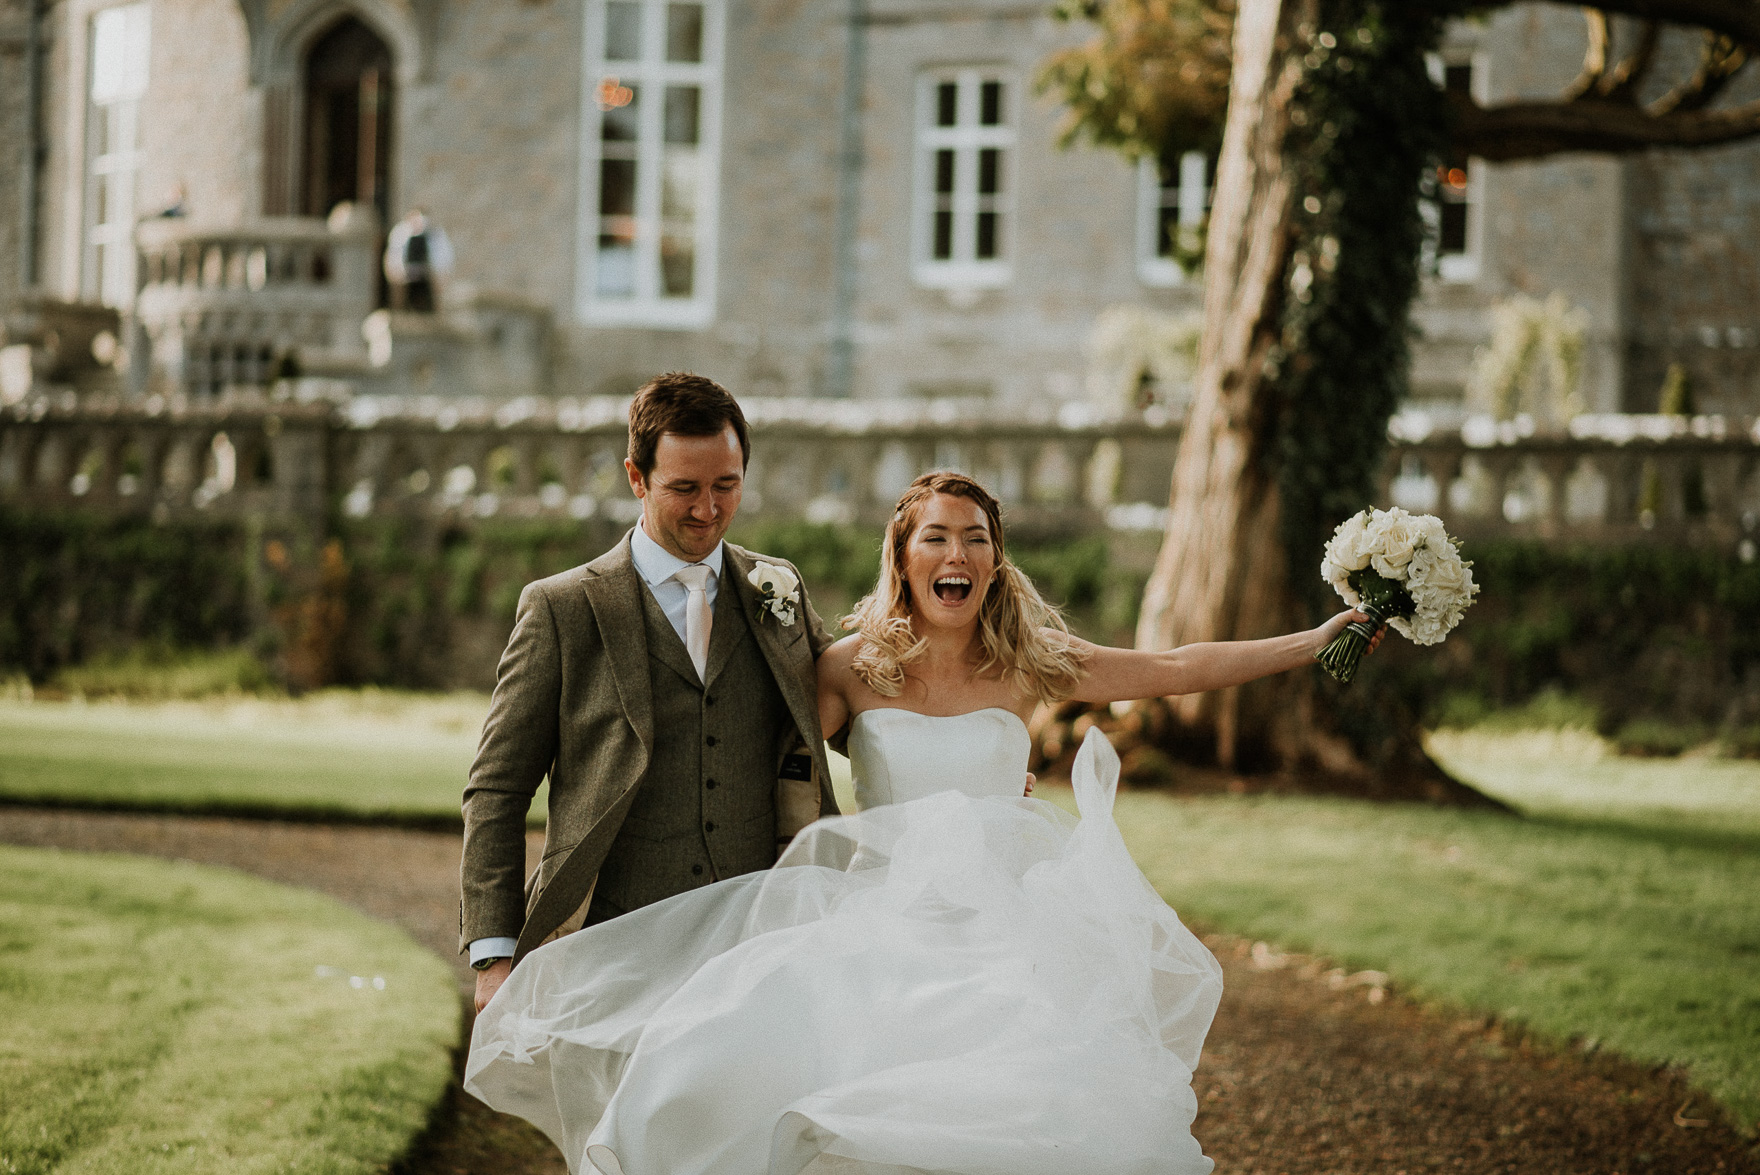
953, 985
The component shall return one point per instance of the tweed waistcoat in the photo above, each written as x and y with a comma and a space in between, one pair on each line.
707, 806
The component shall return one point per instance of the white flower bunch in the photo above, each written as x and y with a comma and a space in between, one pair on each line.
780, 591
1411, 551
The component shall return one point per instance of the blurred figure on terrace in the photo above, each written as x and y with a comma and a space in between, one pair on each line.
418, 256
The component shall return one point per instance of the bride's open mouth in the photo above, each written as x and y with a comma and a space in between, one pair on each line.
952, 590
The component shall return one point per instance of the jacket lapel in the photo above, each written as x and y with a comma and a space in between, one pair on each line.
786, 649
614, 589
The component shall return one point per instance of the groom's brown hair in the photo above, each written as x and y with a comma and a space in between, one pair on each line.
684, 405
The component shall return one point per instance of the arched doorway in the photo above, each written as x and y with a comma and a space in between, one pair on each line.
349, 93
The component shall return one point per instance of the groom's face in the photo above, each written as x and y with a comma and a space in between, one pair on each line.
690, 497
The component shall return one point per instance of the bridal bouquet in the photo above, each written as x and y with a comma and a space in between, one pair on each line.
1399, 569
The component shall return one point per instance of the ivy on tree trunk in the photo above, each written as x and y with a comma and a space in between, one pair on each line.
1315, 235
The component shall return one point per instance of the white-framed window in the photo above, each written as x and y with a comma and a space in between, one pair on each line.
117, 79
650, 154
1173, 203
1454, 206
963, 218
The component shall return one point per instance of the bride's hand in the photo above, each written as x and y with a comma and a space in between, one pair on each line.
1326, 633
1031, 779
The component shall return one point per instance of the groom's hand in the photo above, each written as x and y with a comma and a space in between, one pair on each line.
490, 979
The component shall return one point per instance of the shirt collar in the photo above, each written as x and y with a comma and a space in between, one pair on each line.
657, 565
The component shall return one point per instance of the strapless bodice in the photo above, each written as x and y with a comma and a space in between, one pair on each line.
899, 755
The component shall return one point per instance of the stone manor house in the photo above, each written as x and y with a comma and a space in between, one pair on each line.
860, 198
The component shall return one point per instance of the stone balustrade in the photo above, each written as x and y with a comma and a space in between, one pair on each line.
308, 448
1610, 478
224, 306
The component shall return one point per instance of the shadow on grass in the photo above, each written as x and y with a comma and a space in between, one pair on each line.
1643, 828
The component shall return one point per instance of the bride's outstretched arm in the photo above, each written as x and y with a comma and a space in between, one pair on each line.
1118, 675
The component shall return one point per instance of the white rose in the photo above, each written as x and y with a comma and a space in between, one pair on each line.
1348, 546
1432, 531
1396, 536
773, 580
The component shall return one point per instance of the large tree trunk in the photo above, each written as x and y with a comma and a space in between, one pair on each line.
1222, 573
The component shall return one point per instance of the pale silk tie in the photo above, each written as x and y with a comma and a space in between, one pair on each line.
697, 619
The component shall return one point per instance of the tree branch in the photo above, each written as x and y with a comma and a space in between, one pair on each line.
1622, 84
1719, 60
1594, 57
1737, 19
1531, 130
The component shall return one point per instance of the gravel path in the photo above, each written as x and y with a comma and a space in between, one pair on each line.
1300, 1075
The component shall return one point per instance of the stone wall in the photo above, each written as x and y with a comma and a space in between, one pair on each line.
14, 143
1073, 212
1662, 249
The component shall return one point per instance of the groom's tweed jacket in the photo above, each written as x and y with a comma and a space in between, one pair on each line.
575, 699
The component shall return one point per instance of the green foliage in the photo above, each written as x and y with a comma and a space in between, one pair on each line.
1550, 709
74, 586
1659, 737
1631, 631
1676, 397
164, 1017
153, 672
1368, 126
1153, 81
840, 563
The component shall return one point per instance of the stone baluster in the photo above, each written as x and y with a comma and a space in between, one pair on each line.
525, 465
1624, 470
1443, 465
16, 444
1501, 465
149, 449
863, 466
1555, 470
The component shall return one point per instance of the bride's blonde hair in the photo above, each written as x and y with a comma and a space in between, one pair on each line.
1012, 621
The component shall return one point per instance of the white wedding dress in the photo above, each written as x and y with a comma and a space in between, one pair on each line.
953, 981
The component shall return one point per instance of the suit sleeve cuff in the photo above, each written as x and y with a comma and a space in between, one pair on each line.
493, 948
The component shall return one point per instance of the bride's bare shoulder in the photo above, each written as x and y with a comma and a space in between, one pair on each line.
841, 655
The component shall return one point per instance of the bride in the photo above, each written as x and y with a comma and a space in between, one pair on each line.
955, 980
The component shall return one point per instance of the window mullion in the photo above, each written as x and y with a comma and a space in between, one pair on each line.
965, 204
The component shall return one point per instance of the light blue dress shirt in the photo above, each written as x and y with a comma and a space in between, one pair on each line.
656, 565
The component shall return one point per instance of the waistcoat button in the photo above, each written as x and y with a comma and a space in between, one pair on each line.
709, 826
696, 870
710, 740
709, 700
710, 784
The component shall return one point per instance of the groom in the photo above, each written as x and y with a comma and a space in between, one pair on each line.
670, 700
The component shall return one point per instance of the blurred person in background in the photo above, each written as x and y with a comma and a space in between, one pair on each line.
418, 255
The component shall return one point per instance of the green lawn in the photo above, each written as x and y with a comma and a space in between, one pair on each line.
168, 1017
345, 753
1622, 907
1572, 775
1627, 909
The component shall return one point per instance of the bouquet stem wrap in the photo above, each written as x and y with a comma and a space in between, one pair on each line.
1342, 656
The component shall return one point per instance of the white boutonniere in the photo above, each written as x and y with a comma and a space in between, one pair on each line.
780, 591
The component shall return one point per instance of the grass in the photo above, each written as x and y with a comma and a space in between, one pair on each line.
364, 754
168, 1017
1622, 908
1574, 777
